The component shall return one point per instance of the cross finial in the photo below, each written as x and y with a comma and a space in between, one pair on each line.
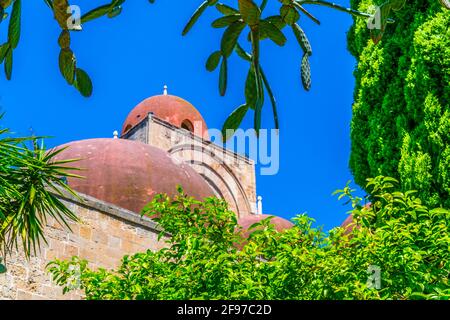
165, 90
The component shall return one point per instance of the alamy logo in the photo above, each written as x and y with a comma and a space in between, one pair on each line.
74, 281
264, 149
374, 22
74, 21
374, 279
2, 266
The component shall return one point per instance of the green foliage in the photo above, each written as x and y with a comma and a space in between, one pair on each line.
401, 115
206, 257
63, 16
247, 15
30, 179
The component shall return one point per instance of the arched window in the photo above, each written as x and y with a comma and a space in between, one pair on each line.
187, 125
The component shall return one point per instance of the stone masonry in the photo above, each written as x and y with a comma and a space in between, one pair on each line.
105, 234
230, 175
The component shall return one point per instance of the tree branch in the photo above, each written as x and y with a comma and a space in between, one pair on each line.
351, 11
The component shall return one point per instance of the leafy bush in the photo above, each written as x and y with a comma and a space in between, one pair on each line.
207, 258
401, 115
30, 180
254, 21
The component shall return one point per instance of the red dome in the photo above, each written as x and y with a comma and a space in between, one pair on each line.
348, 224
129, 174
348, 221
172, 109
247, 221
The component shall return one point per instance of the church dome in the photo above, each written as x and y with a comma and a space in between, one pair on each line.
347, 222
171, 109
247, 221
129, 174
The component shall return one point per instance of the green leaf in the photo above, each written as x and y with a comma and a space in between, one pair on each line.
250, 12
49, 3
289, 14
440, 211
242, 53
251, 91
397, 4
306, 12
64, 39
8, 63
2, 14
259, 102
3, 51
60, 13
263, 4
269, 30
233, 121
96, 13
255, 40
223, 77
14, 25
272, 99
226, 9
67, 65
213, 61
117, 3
83, 83
277, 21
230, 38
115, 12
195, 17
226, 21
5, 3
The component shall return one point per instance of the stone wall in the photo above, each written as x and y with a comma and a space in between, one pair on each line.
139, 132
105, 234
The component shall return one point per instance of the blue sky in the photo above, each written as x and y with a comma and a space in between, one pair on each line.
132, 56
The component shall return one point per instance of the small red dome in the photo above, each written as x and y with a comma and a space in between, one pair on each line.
172, 109
348, 221
348, 225
129, 174
247, 221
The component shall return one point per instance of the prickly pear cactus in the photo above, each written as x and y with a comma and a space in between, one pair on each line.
306, 72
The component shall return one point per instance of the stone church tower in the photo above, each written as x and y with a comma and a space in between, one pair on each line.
164, 143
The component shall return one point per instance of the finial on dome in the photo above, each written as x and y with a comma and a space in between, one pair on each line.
165, 90
259, 206
116, 134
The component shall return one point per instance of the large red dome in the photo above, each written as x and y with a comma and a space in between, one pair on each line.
247, 221
172, 109
129, 174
